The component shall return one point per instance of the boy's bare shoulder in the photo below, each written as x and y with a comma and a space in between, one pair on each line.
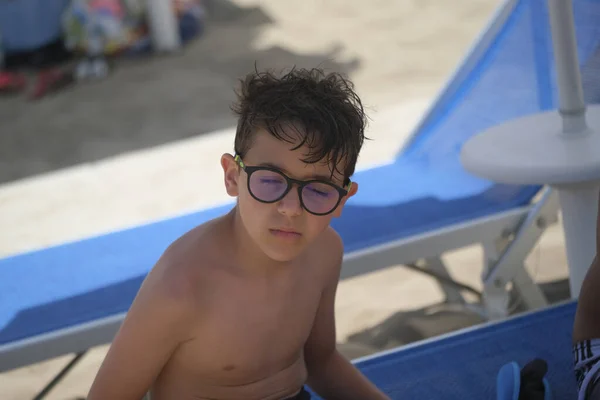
333, 241
186, 265
329, 251
162, 317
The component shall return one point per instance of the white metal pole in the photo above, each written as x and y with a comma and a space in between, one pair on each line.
579, 201
572, 106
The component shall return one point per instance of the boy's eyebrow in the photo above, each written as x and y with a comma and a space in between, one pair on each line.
318, 177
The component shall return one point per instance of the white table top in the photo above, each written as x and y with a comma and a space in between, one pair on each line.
533, 150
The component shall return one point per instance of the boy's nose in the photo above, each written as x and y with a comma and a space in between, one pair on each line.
290, 205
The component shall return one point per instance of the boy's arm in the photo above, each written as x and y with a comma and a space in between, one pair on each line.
152, 329
330, 374
587, 318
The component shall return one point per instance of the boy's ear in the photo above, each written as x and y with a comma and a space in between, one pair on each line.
353, 189
231, 173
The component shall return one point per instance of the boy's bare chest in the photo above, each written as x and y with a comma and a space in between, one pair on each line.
248, 334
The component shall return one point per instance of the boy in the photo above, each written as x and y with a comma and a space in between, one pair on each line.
586, 332
242, 307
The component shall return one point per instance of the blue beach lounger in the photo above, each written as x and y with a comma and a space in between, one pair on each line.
466, 364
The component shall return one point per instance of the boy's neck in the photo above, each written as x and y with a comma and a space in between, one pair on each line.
251, 259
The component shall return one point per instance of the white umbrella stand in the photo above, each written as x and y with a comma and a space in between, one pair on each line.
560, 148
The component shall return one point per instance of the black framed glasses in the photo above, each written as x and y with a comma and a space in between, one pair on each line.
269, 185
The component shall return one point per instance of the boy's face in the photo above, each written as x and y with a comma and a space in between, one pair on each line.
283, 228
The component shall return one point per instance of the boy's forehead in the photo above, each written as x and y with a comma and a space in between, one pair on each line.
268, 149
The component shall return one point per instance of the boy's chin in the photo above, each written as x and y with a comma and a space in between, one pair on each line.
283, 257
283, 253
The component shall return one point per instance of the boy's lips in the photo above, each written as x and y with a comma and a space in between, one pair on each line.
285, 232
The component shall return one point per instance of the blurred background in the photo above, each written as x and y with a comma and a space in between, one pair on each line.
100, 131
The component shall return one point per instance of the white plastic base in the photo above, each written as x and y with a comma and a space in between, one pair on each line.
533, 150
163, 26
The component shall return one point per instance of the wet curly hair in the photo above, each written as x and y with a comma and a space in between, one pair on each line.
323, 108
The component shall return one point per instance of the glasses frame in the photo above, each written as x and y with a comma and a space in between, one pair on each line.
290, 183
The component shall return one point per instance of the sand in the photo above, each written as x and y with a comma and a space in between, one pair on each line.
145, 143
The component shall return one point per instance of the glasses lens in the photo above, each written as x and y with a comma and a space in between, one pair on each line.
267, 185
319, 197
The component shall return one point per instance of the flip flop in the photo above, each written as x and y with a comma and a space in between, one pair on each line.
11, 82
529, 383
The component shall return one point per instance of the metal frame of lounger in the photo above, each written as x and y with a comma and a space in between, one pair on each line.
507, 238
516, 231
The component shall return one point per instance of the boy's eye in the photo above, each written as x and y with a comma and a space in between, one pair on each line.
320, 189
321, 194
271, 180
270, 177
318, 192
